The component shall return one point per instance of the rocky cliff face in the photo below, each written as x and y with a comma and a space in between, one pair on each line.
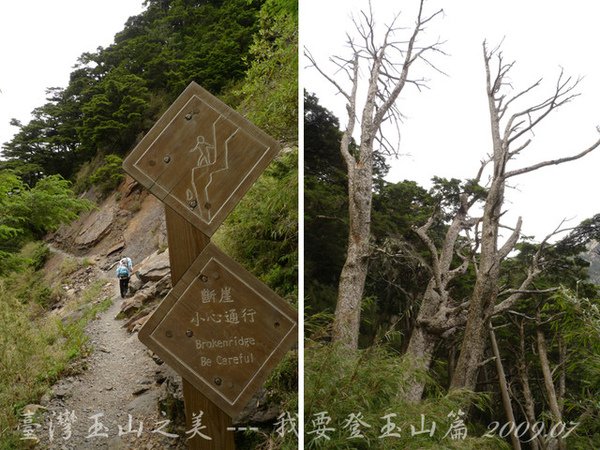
130, 222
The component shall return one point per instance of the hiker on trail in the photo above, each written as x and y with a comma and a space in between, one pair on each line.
123, 274
129, 264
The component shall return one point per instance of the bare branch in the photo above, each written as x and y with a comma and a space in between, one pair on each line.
324, 74
518, 150
560, 97
509, 245
529, 291
554, 162
533, 271
484, 362
410, 57
435, 260
520, 314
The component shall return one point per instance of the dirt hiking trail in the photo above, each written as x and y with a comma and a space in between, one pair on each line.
113, 403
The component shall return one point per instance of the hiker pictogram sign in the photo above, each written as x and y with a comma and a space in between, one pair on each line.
200, 158
221, 329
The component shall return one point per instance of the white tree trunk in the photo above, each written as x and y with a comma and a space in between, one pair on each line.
506, 401
555, 409
485, 293
388, 61
346, 323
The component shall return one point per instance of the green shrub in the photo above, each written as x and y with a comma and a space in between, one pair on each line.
29, 288
82, 178
51, 203
262, 231
35, 352
36, 254
269, 92
108, 176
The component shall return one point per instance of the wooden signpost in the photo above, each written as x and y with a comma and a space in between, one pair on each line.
220, 328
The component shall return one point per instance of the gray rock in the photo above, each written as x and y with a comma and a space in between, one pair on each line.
45, 400
135, 284
260, 409
163, 286
141, 390
95, 228
170, 401
115, 248
131, 306
61, 390
143, 403
154, 267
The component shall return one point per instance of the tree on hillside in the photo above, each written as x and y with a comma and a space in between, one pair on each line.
28, 213
48, 144
510, 136
115, 113
116, 93
389, 64
440, 313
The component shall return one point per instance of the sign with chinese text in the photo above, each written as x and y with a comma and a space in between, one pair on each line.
221, 329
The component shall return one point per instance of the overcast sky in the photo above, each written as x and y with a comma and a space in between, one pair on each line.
40, 41
446, 131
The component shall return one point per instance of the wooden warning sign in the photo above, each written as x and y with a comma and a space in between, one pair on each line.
222, 329
201, 157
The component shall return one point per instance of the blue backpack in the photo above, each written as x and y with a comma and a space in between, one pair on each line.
122, 272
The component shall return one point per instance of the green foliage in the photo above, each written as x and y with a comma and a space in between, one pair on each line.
12, 216
20, 360
47, 144
34, 351
31, 212
30, 288
116, 93
51, 203
115, 113
282, 386
325, 205
270, 89
577, 324
370, 382
108, 176
262, 232
36, 254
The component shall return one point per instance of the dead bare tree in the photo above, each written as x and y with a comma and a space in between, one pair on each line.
439, 313
389, 64
553, 397
523, 375
508, 142
504, 389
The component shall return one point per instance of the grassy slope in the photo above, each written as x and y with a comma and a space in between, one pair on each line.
37, 348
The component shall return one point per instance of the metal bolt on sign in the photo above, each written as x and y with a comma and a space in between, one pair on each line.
220, 328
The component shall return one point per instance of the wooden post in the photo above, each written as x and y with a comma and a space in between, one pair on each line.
186, 242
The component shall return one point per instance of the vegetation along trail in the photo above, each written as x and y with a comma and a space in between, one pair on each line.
112, 403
